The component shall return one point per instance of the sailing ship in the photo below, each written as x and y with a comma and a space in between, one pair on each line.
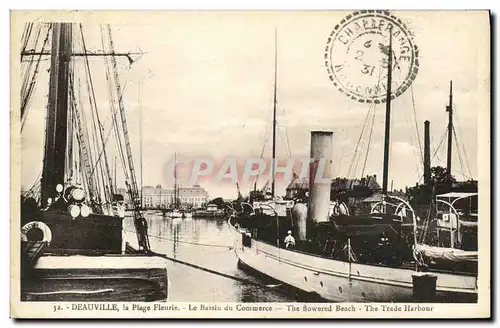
341, 257
72, 238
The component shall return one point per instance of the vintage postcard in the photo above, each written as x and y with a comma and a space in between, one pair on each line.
250, 164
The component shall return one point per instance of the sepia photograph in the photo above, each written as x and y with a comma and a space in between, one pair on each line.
330, 163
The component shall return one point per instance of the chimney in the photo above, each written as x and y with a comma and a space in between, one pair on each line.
427, 153
321, 153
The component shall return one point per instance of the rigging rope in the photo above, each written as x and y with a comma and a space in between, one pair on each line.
141, 229
106, 173
289, 154
416, 124
25, 37
266, 137
369, 142
35, 185
372, 106
458, 153
27, 90
439, 145
27, 68
461, 138
287, 137
84, 155
349, 171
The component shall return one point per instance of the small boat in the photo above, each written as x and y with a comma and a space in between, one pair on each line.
211, 211
449, 239
175, 213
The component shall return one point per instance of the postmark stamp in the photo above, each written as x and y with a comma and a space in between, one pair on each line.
356, 56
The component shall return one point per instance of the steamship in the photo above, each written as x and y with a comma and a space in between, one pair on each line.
338, 256
72, 239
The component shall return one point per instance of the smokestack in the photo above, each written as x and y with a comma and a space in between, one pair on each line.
320, 168
427, 153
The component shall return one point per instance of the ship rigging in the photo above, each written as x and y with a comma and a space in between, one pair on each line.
73, 210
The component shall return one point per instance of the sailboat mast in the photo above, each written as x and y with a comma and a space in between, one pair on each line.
142, 236
140, 140
387, 120
133, 181
449, 109
275, 102
175, 180
57, 112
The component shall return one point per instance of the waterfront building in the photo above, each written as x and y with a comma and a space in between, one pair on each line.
159, 197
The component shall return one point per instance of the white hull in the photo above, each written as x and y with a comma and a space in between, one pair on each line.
340, 281
174, 215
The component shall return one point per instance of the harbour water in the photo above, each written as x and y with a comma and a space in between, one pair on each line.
206, 243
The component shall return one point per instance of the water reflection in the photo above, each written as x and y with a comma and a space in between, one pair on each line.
204, 242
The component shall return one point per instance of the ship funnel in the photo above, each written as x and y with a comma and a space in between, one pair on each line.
427, 153
320, 171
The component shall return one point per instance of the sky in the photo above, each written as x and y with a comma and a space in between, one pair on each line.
205, 85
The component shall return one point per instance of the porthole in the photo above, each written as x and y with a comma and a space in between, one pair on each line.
363, 295
340, 289
321, 283
305, 279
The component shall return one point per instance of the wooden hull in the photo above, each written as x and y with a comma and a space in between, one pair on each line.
96, 278
97, 232
345, 282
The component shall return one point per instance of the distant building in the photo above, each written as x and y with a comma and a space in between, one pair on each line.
155, 197
465, 186
367, 204
358, 188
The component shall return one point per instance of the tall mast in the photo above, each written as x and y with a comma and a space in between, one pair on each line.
57, 112
387, 119
133, 181
275, 102
142, 236
449, 109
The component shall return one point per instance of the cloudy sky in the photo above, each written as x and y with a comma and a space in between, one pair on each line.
206, 89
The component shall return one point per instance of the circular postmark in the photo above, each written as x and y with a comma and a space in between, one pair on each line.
357, 56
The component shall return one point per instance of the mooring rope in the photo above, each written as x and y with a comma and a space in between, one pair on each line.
205, 269
185, 241
218, 273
